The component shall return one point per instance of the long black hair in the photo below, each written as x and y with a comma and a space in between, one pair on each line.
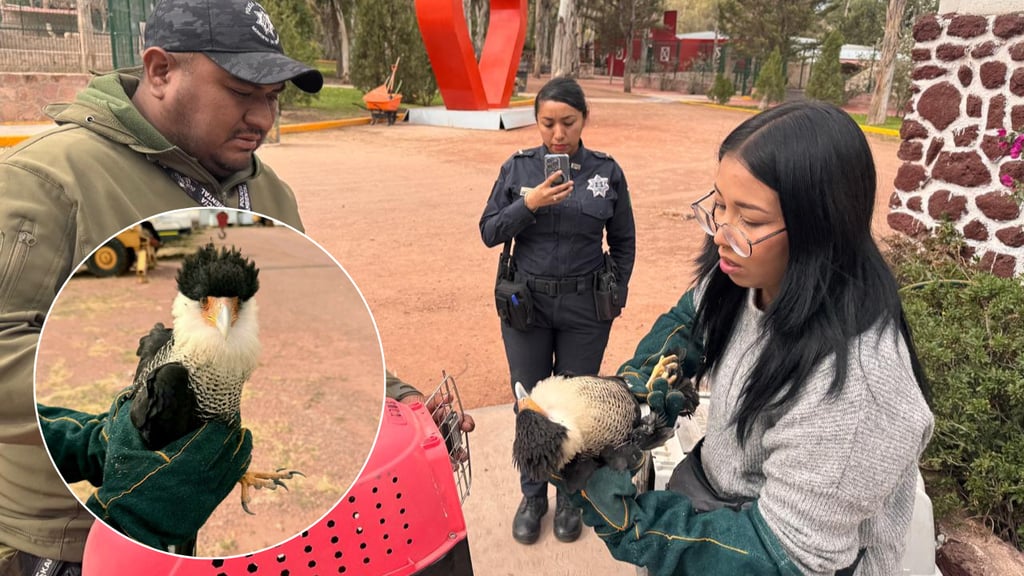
836, 285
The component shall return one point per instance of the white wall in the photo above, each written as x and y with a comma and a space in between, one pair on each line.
983, 7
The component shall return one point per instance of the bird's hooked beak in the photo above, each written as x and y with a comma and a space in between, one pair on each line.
524, 402
221, 313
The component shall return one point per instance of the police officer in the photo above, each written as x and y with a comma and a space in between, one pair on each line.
558, 231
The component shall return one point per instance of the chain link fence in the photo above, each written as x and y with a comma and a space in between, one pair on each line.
71, 35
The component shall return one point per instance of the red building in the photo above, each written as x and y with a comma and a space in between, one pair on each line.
668, 51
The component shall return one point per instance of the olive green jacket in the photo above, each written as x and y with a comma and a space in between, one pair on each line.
62, 194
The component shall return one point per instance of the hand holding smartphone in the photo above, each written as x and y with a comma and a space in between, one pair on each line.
555, 162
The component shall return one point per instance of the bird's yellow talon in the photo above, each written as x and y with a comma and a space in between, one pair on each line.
269, 480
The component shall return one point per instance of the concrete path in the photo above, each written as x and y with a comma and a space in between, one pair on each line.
494, 496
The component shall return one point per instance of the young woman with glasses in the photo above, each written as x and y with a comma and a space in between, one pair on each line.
818, 410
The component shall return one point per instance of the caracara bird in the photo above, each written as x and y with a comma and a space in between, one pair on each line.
569, 426
195, 372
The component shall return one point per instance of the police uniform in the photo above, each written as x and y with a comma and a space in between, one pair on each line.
559, 249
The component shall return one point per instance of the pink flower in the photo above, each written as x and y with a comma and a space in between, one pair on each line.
1001, 133
1015, 150
1007, 180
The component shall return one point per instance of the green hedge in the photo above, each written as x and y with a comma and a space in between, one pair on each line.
968, 326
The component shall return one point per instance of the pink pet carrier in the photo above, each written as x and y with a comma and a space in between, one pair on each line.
403, 515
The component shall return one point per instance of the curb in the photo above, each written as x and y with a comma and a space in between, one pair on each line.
8, 141
864, 127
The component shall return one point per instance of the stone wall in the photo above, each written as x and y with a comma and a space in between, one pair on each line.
968, 83
23, 95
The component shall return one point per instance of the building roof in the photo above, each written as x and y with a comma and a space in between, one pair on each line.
706, 35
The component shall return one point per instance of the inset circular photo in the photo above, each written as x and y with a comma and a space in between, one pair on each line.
209, 383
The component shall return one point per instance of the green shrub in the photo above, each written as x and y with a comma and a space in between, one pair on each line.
968, 326
771, 82
722, 90
826, 82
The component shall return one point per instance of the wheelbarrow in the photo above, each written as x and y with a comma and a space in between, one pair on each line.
383, 101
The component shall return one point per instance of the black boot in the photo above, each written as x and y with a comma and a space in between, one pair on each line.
568, 524
526, 524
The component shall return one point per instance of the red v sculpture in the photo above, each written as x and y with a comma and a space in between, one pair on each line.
464, 84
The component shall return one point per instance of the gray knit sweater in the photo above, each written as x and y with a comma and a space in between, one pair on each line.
832, 475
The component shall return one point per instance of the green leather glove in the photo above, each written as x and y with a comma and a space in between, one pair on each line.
74, 441
660, 531
159, 498
656, 374
664, 396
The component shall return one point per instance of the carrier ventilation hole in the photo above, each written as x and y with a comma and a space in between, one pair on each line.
218, 563
252, 568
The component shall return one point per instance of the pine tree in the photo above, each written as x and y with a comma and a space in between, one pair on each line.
385, 31
722, 90
826, 82
771, 83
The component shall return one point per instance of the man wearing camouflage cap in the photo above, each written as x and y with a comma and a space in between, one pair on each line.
180, 134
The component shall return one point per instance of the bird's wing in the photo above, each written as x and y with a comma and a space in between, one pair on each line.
164, 407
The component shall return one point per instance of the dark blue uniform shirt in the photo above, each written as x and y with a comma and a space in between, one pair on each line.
566, 239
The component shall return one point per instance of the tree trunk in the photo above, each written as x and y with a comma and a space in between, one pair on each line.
342, 66
540, 35
85, 36
887, 65
566, 54
480, 17
627, 64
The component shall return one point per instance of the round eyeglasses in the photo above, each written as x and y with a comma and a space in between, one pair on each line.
737, 240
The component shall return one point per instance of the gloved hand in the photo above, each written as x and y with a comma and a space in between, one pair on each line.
605, 499
661, 393
660, 531
162, 498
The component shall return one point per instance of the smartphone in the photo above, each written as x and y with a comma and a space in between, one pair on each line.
555, 162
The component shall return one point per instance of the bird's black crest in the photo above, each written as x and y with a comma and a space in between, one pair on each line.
218, 273
537, 447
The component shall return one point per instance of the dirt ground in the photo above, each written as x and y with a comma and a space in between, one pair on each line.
399, 207
313, 404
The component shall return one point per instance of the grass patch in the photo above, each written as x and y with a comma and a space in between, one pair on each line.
337, 102
891, 122
345, 102
326, 67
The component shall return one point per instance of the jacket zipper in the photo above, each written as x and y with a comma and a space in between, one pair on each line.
16, 264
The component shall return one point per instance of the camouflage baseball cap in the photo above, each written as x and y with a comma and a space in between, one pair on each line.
236, 34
